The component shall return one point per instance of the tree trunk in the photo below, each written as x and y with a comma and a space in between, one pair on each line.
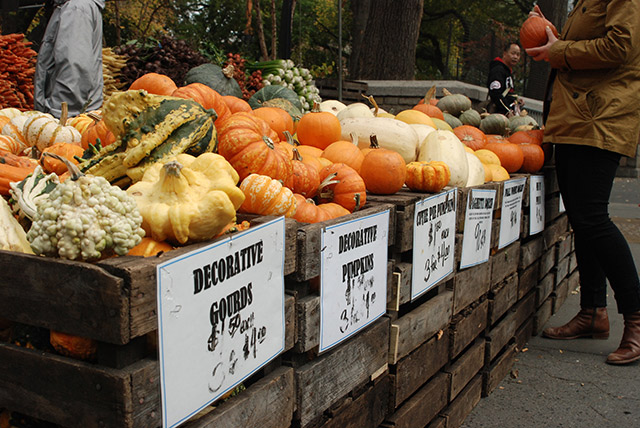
384, 39
556, 12
286, 23
274, 25
261, 40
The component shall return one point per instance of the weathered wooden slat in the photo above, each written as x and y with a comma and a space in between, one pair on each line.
268, 403
333, 375
74, 393
460, 408
542, 315
554, 230
552, 207
420, 409
418, 367
544, 288
547, 261
73, 297
309, 239
525, 308
564, 244
465, 368
531, 251
498, 370
502, 298
402, 284
500, 334
308, 323
468, 325
411, 330
290, 320
523, 334
561, 270
505, 262
404, 203
528, 279
470, 284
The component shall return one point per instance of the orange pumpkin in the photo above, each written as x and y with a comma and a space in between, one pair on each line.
531, 136
510, 155
383, 171
319, 129
4, 120
236, 104
155, 83
306, 150
11, 145
471, 136
149, 247
427, 176
346, 152
430, 110
250, 146
278, 119
266, 196
67, 151
343, 185
308, 212
95, 132
305, 178
73, 346
533, 32
207, 97
533, 157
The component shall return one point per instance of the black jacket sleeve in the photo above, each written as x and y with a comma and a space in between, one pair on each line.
497, 81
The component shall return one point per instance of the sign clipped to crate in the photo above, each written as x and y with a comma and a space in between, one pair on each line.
476, 238
536, 198
511, 213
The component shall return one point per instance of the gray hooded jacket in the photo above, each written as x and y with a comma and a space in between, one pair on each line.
69, 66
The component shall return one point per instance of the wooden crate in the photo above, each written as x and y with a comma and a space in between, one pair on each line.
327, 379
502, 297
530, 251
460, 408
463, 369
528, 279
467, 325
544, 288
470, 284
505, 262
498, 369
309, 239
547, 262
542, 315
561, 270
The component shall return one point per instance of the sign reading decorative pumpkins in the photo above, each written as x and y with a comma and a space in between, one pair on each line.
220, 318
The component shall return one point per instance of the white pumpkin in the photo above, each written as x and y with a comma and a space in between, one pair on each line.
476, 170
44, 130
422, 130
444, 146
10, 112
391, 134
355, 110
332, 106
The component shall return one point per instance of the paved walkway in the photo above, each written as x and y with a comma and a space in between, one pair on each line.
567, 383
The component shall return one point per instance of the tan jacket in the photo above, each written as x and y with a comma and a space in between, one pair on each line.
596, 93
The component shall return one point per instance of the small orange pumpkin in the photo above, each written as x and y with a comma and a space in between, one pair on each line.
533, 157
278, 119
429, 109
266, 196
149, 247
305, 178
236, 104
510, 155
343, 185
155, 83
346, 152
471, 136
427, 176
383, 170
95, 132
73, 346
318, 128
207, 97
533, 32
67, 151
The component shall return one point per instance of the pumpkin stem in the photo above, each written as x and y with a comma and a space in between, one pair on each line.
296, 155
64, 114
290, 139
446, 92
316, 107
431, 93
228, 71
269, 142
373, 103
373, 142
354, 138
95, 116
73, 169
323, 189
357, 198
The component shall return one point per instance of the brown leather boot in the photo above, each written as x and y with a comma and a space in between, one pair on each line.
590, 322
629, 349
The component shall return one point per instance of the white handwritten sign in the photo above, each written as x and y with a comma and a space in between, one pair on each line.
536, 204
434, 231
353, 278
220, 317
511, 213
476, 238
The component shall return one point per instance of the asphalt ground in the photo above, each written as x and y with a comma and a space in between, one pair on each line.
566, 383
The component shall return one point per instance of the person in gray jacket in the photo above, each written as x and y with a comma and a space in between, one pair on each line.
69, 66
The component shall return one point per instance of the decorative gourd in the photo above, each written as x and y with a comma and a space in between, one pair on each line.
305, 178
454, 104
149, 247
251, 147
343, 185
11, 145
278, 119
10, 112
441, 124
14, 128
97, 131
495, 123
187, 199
267, 196
471, 136
68, 151
452, 120
42, 131
470, 117
476, 171
236, 104
207, 97
511, 156
219, 79
346, 152
33, 188
427, 176
13, 236
332, 106
415, 116
430, 110
73, 346
270, 92
533, 158
13, 169
383, 171
154, 83
84, 120
318, 128
522, 120
355, 110
444, 146
533, 32
391, 134
294, 113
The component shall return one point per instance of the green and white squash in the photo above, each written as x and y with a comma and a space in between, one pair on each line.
27, 193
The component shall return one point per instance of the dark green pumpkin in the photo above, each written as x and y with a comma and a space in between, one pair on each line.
221, 80
470, 117
454, 104
453, 121
286, 105
271, 92
495, 123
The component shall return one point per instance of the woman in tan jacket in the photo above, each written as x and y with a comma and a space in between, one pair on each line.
594, 119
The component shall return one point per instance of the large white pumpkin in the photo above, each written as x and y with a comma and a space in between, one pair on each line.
390, 133
444, 146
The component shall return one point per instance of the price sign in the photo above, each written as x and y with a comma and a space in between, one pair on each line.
434, 231
220, 317
536, 204
353, 287
511, 211
476, 238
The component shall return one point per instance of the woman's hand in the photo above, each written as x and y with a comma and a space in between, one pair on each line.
536, 12
541, 53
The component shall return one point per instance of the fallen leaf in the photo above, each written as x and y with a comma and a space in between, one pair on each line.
525, 349
439, 335
514, 374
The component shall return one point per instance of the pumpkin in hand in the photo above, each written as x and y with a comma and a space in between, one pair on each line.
533, 32
425, 176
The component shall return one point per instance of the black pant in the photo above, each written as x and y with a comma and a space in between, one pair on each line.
585, 176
